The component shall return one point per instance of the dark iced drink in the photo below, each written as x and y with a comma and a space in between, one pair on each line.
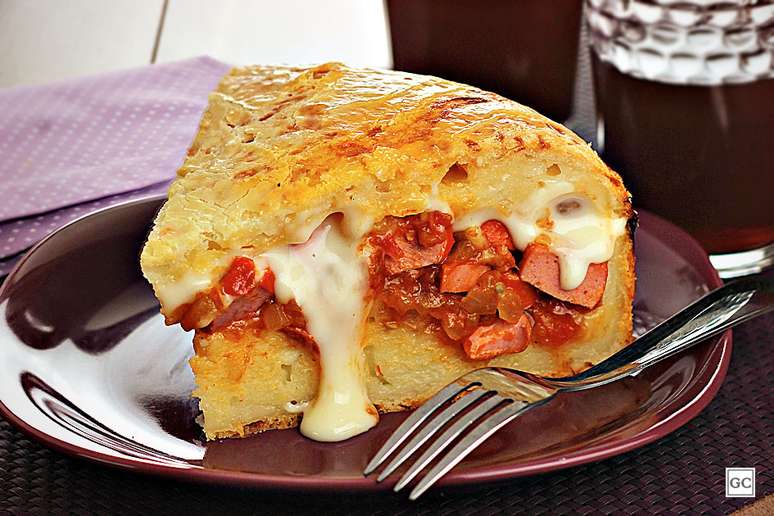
685, 112
525, 50
701, 156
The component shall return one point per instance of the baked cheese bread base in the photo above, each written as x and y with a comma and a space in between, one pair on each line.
280, 149
247, 383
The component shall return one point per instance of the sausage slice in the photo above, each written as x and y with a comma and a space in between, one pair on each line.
540, 268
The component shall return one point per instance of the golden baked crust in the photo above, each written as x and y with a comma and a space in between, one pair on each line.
279, 149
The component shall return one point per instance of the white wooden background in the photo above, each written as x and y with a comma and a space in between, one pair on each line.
48, 40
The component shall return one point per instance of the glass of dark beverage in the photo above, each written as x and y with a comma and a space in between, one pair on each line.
685, 112
525, 50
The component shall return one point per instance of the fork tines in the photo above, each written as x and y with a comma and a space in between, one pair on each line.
468, 406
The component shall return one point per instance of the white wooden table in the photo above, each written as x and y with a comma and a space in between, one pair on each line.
47, 40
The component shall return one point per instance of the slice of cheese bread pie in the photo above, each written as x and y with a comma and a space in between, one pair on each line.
345, 242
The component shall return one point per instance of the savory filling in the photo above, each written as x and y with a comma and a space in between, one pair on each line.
315, 292
471, 288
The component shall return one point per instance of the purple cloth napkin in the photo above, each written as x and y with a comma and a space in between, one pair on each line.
20, 234
78, 140
110, 138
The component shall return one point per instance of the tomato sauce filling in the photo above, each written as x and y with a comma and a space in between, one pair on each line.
253, 304
463, 287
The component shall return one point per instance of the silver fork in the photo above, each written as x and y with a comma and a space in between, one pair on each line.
481, 402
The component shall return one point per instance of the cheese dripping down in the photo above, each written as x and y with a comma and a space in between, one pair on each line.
328, 278
579, 233
177, 293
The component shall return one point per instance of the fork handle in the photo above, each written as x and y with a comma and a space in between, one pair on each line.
720, 309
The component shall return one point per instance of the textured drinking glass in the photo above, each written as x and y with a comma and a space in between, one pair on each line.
685, 111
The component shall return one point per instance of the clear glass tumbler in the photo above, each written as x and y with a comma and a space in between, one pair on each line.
685, 112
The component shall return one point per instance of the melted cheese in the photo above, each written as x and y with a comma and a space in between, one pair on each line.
581, 236
354, 223
328, 278
305, 223
579, 233
177, 293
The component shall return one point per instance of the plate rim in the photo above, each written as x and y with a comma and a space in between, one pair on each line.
719, 355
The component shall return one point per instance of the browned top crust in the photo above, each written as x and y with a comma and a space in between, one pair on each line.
281, 148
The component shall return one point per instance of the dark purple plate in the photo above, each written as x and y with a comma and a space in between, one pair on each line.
88, 367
